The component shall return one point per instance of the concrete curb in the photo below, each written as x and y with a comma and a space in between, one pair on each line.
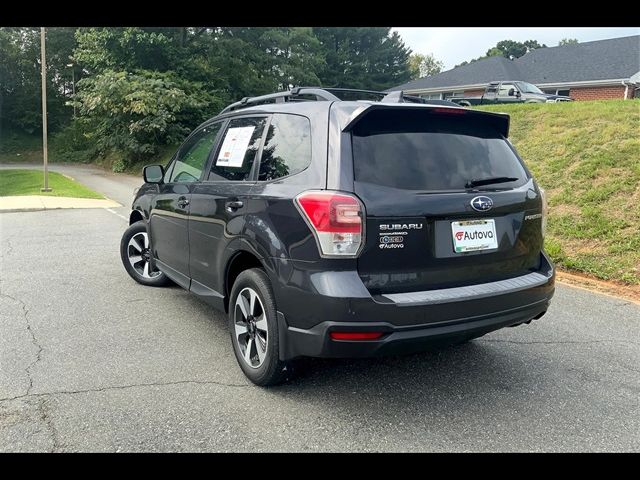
32, 203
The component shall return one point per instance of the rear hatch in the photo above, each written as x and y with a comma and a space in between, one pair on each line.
428, 225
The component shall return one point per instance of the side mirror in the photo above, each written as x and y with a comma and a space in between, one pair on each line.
512, 92
153, 173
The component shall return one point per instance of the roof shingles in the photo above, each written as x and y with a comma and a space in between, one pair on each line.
599, 60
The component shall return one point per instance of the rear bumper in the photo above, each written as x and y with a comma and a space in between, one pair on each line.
316, 341
408, 322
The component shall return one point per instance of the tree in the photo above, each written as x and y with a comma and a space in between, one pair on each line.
533, 45
567, 41
424, 65
511, 48
20, 82
508, 49
141, 87
135, 113
362, 57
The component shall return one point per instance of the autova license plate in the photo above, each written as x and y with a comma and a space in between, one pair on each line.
474, 235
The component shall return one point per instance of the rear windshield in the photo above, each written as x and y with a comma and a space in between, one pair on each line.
422, 150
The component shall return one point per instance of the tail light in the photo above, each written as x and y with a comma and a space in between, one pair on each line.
336, 220
545, 210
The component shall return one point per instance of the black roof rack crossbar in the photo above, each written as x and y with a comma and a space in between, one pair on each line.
355, 90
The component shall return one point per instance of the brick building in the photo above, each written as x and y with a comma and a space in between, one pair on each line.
604, 69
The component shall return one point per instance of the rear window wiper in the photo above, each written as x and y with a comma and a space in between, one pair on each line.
488, 181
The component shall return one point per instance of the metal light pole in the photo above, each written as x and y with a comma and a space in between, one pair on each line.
44, 111
73, 83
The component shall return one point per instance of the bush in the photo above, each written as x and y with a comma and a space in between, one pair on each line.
137, 113
18, 142
72, 144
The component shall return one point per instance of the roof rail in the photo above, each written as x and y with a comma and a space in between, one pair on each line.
281, 97
321, 94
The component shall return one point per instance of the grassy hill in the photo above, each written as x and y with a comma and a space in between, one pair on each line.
586, 155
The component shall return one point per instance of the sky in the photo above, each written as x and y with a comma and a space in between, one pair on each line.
453, 45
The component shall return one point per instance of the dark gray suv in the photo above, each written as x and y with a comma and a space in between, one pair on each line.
334, 228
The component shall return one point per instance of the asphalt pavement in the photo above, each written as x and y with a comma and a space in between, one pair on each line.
92, 361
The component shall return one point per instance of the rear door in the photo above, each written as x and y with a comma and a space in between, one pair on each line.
426, 227
220, 202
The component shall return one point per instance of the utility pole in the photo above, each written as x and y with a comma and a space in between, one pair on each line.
43, 63
73, 76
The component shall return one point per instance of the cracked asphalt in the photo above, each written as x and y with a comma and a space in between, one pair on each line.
92, 361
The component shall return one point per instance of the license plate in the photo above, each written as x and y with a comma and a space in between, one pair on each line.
474, 235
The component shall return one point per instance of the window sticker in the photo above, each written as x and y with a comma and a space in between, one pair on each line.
234, 147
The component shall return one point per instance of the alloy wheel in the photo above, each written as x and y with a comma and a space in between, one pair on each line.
139, 255
250, 322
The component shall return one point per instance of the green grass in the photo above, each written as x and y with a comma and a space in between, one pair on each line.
29, 182
587, 157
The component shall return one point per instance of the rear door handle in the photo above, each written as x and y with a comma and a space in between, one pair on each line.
183, 202
234, 205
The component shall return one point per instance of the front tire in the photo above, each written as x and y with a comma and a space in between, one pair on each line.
136, 255
253, 326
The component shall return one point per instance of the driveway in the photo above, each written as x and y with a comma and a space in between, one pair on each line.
92, 361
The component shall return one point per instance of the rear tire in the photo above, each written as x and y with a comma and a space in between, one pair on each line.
253, 326
135, 255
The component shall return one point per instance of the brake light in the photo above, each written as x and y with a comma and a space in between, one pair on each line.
452, 111
355, 335
336, 220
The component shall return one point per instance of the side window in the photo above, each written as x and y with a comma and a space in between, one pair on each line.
193, 154
491, 90
238, 149
504, 89
287, 148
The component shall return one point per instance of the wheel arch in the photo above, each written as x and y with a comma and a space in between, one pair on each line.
135, 216
240, 261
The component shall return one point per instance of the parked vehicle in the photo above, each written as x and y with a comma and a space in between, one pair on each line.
510, 92
333, 228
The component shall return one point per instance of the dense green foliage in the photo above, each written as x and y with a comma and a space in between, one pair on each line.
567, 41
585, 154
140, 89
362, 57
20, 80
421, 65
29, 182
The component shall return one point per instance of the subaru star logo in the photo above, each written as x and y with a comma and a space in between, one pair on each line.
481, 204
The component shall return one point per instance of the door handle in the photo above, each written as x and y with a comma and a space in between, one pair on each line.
234, 205
183, 202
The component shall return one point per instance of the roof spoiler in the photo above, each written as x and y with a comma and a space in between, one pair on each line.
499, 121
